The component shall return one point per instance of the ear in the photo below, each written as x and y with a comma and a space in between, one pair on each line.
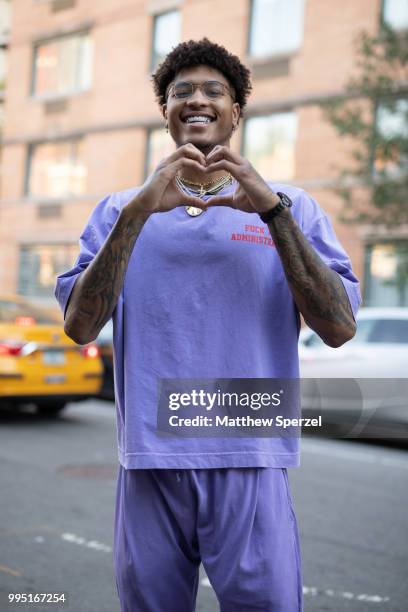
164, 111
236, 113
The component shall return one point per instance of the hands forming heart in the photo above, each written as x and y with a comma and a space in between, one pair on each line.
160, 192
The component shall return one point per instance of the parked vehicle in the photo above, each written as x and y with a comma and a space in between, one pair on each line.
39, 364
104, 341
363, 384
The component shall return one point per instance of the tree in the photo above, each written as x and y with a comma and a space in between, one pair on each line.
373, 113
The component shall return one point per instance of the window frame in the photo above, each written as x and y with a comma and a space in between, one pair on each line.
384, 24
244, 136
31, 246
82, 32
5, 33
269, 57
28, 170
153, 56
377, 132
369, 246
148, 147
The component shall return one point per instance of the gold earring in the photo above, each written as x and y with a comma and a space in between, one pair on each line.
167, 127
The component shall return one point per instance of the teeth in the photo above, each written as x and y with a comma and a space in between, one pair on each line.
198, 119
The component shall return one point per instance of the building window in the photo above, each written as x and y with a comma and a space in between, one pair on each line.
276, 27
159, 145
56, 169
269, 144
386, 274
395, 14
5, 19
40, 264
166, 35
3, 67
392, 127
62, 66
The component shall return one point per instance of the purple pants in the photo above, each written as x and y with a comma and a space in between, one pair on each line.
239, 522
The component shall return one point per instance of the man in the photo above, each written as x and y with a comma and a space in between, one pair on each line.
194, 292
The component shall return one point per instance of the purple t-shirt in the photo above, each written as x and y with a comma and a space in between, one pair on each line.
203, 297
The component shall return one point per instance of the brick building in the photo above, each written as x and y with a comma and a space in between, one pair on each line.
5, 22
81, 120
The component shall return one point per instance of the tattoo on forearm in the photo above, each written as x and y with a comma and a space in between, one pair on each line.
101, 283
318, 290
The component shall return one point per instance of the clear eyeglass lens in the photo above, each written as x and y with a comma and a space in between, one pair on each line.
212, 89
183, 90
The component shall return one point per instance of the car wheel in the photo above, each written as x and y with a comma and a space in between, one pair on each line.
50, 409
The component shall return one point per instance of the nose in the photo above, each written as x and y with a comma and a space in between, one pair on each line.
197, 96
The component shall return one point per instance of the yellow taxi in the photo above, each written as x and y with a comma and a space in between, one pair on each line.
39, 364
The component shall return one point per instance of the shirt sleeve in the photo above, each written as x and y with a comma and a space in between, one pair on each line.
319, 231
92, 238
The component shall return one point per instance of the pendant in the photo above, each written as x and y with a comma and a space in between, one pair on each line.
193, 211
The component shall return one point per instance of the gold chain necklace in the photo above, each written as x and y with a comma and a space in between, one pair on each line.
217, 185
203, 190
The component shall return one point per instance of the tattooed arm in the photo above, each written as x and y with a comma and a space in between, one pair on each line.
97, 289
317, 290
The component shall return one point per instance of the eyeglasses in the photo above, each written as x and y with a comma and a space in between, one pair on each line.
212, 89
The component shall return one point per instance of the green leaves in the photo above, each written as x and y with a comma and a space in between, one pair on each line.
373, 113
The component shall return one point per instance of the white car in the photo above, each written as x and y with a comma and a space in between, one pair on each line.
378, 350
363, 383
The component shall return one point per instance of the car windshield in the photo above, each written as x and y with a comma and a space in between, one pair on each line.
393, 331
26, 313
105, 336
370, 331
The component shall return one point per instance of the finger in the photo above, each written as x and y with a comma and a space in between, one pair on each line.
226, 200
219, 152
182, 162
224, 164
189, 151
193, 201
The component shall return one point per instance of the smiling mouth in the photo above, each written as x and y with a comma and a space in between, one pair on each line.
198, 120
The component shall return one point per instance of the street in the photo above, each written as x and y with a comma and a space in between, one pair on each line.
57, 508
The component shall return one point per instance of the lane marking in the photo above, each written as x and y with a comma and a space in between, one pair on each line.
79, 541
309, 591
355, 456
8, 570
314, 591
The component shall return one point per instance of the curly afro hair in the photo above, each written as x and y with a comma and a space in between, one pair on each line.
202, 52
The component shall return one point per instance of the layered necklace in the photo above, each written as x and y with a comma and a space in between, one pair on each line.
201, 189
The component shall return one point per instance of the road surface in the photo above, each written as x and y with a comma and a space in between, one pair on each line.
57, 504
